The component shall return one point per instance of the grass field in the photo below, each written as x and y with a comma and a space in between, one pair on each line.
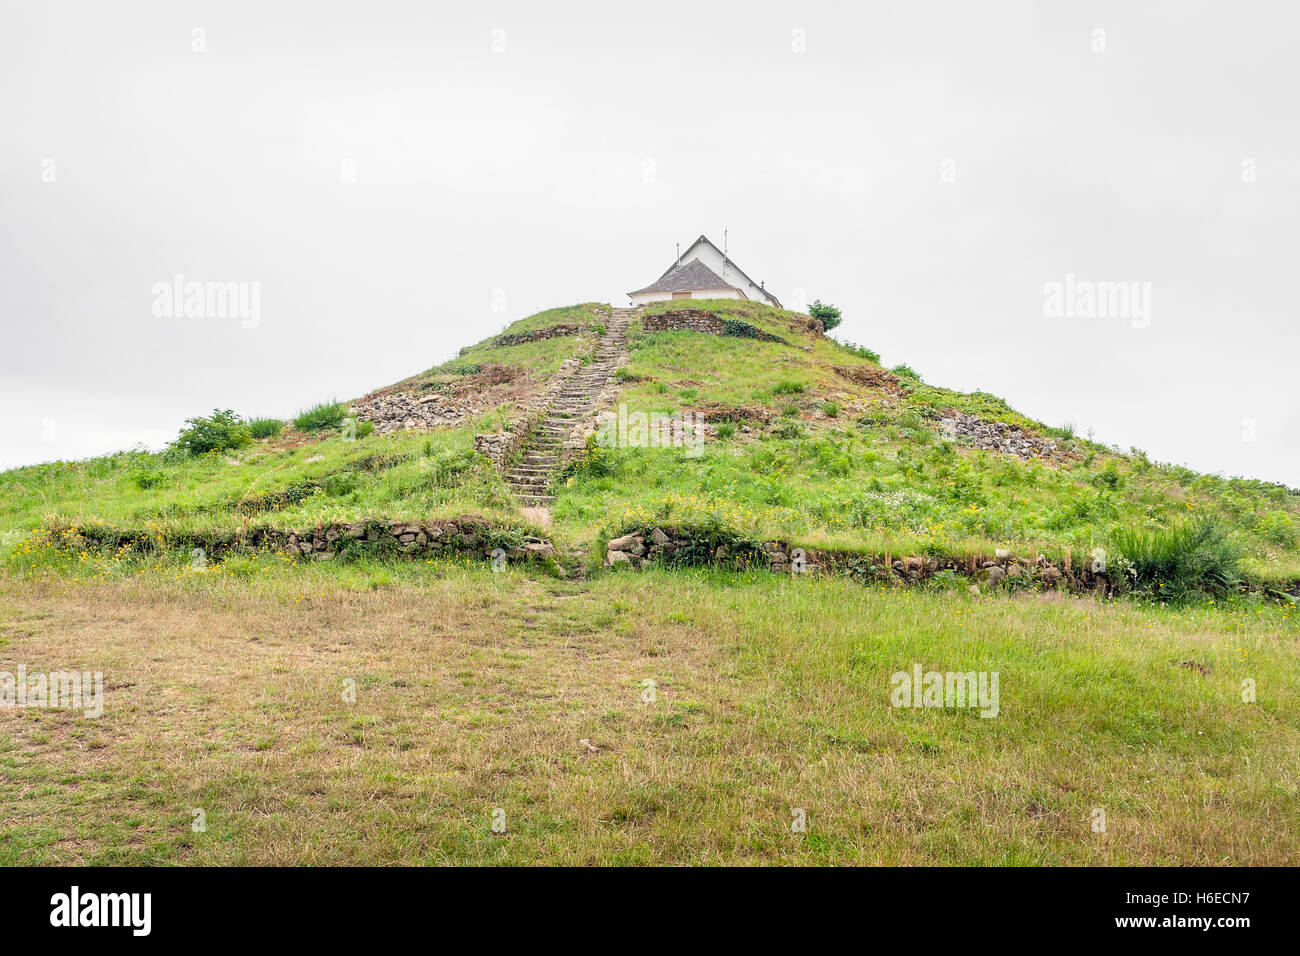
376, 711
475, 692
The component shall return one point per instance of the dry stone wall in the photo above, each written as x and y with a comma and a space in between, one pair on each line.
700, 320
534, 335
466, 535
666, 545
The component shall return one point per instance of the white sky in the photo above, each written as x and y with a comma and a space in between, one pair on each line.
568, 166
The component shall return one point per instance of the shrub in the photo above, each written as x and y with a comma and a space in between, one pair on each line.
1108, 478
828, 315
145, 480
788, 430
746, 331
788, 387
906, 371
1178, 561
593, 461
265, 427
1277, 528
597, 328
448, 469
830, 409
223, 430
325, 415
727, 430
1065, 431
861, 351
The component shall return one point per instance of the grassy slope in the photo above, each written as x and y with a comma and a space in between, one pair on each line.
860, 467
872, 471
475, 689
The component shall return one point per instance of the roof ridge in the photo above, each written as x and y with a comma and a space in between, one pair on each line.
677, 263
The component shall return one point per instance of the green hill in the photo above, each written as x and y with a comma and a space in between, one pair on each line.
808, 441
347, 640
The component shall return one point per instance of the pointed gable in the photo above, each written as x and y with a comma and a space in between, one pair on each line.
693, 276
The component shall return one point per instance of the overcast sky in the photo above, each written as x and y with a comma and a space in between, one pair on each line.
401, 180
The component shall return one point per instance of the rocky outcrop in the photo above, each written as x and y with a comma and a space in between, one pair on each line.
870, 376
398, 410
997, 436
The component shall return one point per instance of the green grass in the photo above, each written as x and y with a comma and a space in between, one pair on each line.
398, 475
1194, 557
475, 688
475, 692
322, 416
265, 427
839, 463
583, 315
874, 489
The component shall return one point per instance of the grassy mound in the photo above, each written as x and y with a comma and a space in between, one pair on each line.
810, 441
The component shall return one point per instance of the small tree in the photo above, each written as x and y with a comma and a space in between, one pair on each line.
828, 315
221, 431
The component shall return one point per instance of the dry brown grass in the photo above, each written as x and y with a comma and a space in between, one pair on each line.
475, 691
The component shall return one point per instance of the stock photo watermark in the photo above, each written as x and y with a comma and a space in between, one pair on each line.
1076, 298
630, 429
58, 690
949, 690
182, 299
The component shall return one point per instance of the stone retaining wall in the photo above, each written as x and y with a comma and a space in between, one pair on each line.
467, 535
502, 447
659, 545
700, 320
534, 335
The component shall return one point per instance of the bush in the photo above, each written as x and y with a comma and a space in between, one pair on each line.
1177, 561
788, 387
265, 427
592, 461
223, 430
861, 351
727, 430
906, 371
828, 315
144, 480
788, 430
830, 409
1066, 431
326, 415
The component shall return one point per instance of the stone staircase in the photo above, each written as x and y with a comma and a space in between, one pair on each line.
575, 400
